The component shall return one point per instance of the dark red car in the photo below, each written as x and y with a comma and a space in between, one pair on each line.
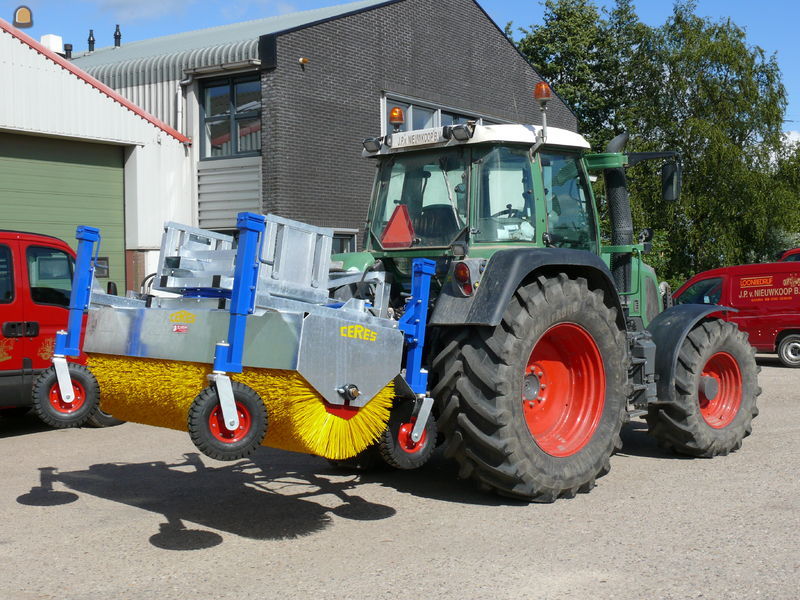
766, 297
791, 256
35, 282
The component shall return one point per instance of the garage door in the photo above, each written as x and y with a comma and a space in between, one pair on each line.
51, 186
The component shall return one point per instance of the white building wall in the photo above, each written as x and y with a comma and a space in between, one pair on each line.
42, 97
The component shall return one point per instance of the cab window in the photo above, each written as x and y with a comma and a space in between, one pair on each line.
50, 275
504, 195
428, 187
570, 218
6, 276
706, 291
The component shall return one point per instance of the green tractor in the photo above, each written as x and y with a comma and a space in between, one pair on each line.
541, 342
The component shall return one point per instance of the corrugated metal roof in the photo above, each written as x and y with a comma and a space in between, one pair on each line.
38, 110
165, 58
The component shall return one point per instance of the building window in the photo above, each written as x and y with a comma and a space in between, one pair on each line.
231, 117
423, 115
344, 240
6, 276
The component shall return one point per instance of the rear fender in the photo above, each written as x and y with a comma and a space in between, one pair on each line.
506, 271
669, 329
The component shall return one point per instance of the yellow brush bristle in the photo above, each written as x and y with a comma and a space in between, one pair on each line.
159, 392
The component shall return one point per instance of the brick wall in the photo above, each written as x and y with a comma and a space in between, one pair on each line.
444, 51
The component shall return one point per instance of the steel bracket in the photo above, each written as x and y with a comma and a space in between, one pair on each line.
226, 401
64, 379
424, 406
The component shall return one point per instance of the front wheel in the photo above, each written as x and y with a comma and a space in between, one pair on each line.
789, 351
207, 426
50, 406
532, 408
716, 386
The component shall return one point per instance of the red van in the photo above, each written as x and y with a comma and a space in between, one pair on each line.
791, 256
767, 298
35, 283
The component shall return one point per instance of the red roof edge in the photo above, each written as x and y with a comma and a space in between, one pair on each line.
80, 74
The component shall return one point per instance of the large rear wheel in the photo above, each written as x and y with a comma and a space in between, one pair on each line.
716, 386
532, 408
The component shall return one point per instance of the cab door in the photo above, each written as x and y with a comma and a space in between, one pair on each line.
48, 281
11, 327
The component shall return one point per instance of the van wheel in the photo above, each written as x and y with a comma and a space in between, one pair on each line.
789, 350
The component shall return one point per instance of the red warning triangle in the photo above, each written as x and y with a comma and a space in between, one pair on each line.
399, 232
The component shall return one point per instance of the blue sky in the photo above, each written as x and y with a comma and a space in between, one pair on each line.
772, 25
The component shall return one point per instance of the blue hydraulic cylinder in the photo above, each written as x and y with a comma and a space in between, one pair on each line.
228, 357
69, 343
414, 321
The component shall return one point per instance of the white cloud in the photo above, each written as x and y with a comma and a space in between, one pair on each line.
130, 11
256, 9
792, 136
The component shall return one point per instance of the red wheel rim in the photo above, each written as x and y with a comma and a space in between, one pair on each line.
67, 408
216, 424
720, 410
564, 388
404, 440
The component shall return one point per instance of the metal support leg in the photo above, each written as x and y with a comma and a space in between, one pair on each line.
64, 380
226, 402
423, 414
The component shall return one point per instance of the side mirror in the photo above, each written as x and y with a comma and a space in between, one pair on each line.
111, 288
671, 178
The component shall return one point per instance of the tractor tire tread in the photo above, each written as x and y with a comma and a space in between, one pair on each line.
677, 423
474, 372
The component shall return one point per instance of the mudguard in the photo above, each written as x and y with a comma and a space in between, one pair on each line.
504, 273
669, 329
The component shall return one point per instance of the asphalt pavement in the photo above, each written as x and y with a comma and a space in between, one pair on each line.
135, 512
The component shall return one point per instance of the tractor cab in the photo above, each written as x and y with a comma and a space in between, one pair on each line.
463, 188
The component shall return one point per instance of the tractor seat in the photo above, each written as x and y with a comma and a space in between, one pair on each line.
436, 224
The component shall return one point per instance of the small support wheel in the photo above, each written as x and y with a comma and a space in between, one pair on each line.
207, 427
397, 447
51, 408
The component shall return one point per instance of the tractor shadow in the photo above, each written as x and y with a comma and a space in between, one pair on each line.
436, 480
637, 442
252, 498
13, 425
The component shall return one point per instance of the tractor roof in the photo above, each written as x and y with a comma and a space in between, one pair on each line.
422, 139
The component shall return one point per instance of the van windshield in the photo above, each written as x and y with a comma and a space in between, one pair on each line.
706, 291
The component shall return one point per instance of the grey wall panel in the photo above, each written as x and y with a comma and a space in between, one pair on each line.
225, 188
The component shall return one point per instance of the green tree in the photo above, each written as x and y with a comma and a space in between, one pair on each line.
694, 85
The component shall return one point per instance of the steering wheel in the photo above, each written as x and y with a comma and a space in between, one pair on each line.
511, 212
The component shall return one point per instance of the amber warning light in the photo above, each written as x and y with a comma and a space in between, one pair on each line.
396, 117
542, 92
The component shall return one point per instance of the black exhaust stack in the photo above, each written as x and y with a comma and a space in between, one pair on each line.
117, 37
621, 220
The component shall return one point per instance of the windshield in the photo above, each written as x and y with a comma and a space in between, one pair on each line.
421, 199
706, 291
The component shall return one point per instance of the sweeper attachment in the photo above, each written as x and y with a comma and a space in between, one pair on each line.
249, 349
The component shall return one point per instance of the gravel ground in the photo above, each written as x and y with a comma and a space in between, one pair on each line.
135, 512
